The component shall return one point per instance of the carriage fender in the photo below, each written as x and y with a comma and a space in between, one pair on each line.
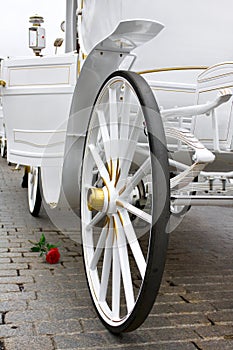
104, 59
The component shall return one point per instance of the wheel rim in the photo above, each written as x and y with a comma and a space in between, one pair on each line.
33, 176
116, 233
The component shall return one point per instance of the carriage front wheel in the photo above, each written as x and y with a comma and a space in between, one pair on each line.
124, 201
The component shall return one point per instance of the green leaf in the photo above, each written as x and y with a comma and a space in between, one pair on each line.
35, 249
42, 239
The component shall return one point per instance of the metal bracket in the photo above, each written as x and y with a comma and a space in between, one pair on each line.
2, 83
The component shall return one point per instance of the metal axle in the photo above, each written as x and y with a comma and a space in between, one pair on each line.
225, 201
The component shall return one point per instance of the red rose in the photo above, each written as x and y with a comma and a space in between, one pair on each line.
53, 256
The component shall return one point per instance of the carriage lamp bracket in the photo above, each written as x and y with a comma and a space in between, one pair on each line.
58, 43
2, 83
36, 35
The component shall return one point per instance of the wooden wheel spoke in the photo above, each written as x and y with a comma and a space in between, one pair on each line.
99, 163
124, 263
95, 220
104, 133
136, 211
116, 281
133, 241
99, 247
132, 145
137, 177
107, 262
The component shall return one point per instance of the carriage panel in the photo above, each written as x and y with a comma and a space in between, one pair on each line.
36, 102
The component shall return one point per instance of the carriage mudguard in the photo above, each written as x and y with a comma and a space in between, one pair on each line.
104, 59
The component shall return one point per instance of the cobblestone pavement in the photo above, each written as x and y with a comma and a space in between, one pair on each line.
47, 307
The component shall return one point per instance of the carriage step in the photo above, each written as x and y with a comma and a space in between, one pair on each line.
201, 157
202, 154
187, 176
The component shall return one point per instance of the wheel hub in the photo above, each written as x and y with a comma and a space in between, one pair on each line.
95, 199
103, 199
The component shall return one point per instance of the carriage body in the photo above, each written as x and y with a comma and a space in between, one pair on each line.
39, 90
2, 131
128, 166
2, 126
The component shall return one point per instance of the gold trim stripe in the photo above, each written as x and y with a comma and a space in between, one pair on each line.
168, 69
202, 80
36, 68
218, 65
216, 88
172, 90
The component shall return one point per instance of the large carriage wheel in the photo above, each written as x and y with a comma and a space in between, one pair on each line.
34, 195
124, 202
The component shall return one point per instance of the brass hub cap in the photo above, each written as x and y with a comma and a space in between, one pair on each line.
95, 199
103, 199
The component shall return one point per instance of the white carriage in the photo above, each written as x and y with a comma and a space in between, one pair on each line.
94, 136
2, 132
2, 125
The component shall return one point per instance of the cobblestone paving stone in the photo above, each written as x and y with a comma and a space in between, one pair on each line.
47, 307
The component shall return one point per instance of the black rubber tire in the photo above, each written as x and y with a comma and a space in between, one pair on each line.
35, 211
158, 237
3, 150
